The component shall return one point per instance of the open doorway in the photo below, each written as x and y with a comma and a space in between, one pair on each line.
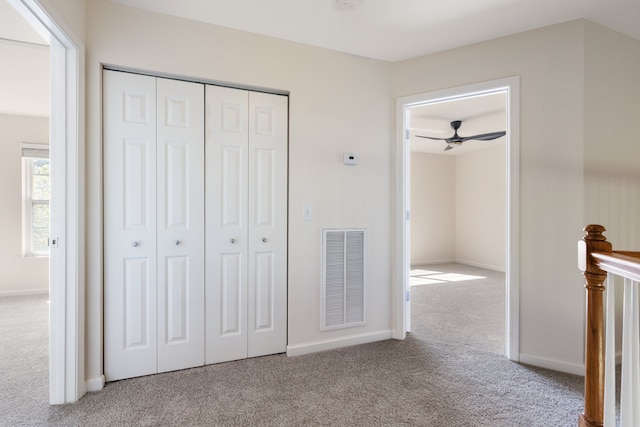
66, 220
457, 229
506, 258
24, 120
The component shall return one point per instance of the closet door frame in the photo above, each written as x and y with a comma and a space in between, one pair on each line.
283, 303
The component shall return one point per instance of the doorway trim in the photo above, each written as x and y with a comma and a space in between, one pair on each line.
401, 212
66, 261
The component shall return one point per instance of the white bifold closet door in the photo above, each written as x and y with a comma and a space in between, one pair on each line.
246, 217
153, 225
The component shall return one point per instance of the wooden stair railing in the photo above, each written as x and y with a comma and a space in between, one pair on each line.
596, 259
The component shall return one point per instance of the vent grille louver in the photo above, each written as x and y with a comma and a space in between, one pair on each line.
343, 278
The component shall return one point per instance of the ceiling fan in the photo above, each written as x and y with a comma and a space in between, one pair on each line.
458, 140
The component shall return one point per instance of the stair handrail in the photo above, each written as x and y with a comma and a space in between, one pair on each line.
596, 258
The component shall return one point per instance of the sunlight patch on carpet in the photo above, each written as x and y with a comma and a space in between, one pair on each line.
419, 272
455, 277
425, 277
416, 281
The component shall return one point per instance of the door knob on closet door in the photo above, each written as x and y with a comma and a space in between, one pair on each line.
178, 242
135, 244
233, 240
264, 239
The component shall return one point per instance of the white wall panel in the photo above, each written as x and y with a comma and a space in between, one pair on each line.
136, 302
233, 197
177, 299
481, 208
231, 299
136, 182
264, 290
433, 208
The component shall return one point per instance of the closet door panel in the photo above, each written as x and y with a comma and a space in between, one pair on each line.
226, 144
267, 299
180, 224
129, 225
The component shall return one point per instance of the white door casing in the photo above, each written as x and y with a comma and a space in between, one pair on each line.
246, 146
401, 263
154, 262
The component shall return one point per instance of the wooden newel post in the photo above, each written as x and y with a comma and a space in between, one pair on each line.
593, 242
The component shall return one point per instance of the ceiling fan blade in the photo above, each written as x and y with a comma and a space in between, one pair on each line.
448, 147
484, 136
430, 137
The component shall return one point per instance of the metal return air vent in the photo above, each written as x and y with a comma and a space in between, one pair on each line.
343, 278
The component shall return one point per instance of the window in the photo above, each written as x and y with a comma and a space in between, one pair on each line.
35, 190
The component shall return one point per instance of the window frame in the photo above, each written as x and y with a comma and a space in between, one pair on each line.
30, 153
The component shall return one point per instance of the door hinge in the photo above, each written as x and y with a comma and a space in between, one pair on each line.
407, 134
407, 296
53, 242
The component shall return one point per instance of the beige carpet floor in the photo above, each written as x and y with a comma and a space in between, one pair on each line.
450, 371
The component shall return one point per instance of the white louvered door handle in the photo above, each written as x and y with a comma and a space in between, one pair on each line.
135, 244
264, 239
232, 240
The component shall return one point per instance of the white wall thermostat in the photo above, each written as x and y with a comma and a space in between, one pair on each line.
350, 159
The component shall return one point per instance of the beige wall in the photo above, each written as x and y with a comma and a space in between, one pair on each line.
481, 206
458, 208
550, 64
70, 14
18, 275
612, 139
338, 103
433, 208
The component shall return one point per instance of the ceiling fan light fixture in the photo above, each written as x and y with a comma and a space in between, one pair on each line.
456, 139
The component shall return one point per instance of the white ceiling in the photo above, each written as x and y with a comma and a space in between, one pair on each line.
393, 30
390, 30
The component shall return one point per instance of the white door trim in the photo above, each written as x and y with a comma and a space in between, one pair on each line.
401, 206
66, 128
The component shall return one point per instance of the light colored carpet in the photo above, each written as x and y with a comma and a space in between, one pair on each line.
450, 371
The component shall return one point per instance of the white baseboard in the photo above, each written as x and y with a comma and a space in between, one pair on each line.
430, 262
481, 265
458, 261
555, 365
331, 344
95, 384
23, 292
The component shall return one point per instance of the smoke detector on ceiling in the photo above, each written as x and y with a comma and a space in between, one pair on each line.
348, 4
